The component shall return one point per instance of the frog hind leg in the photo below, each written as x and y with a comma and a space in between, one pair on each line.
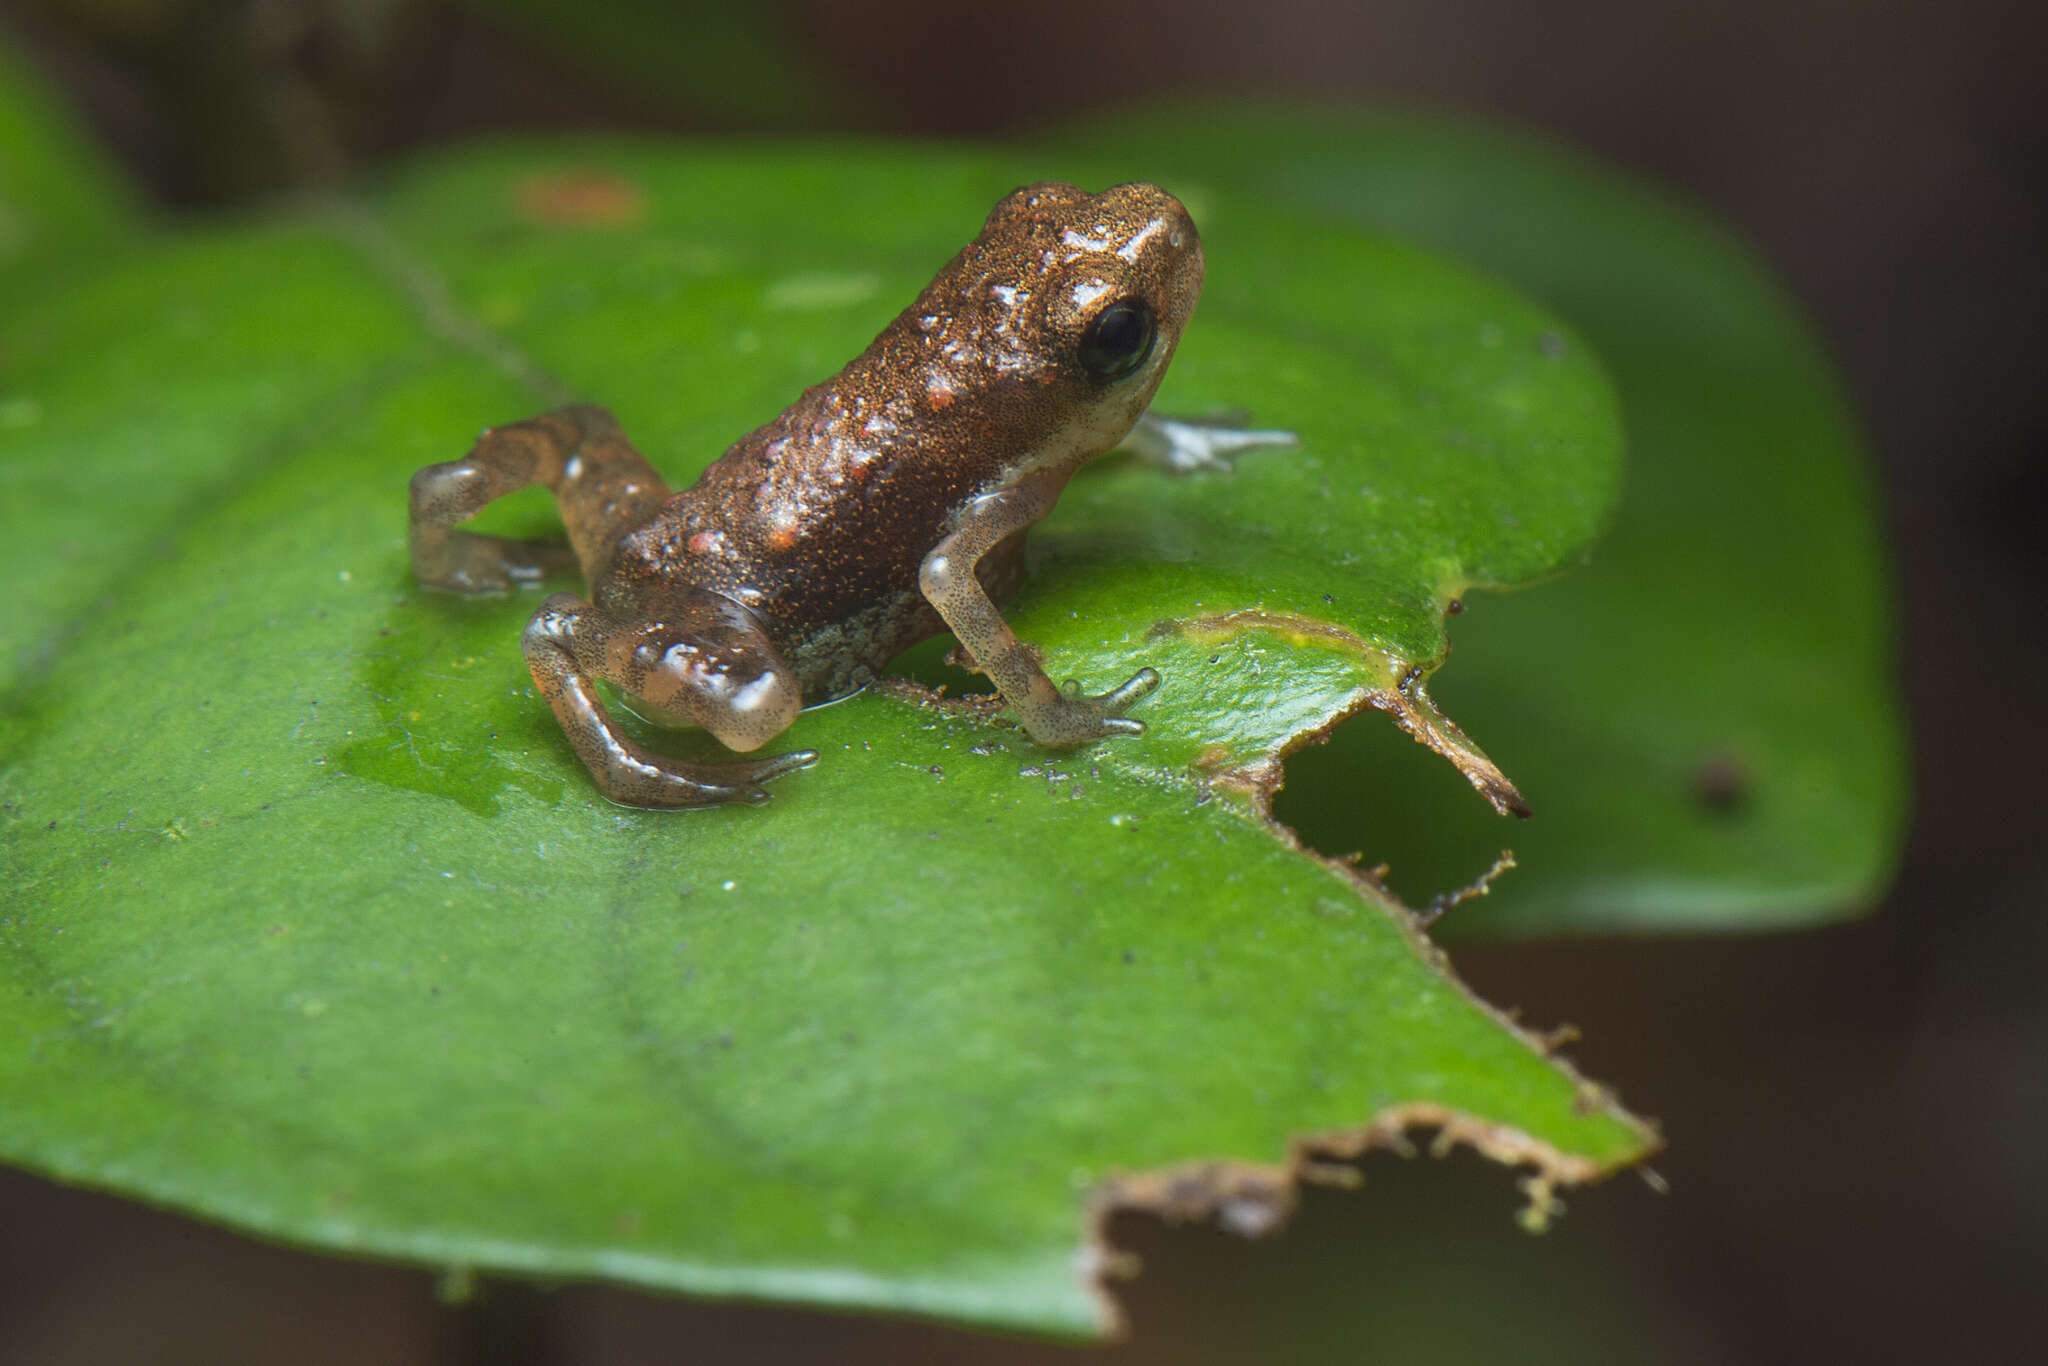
708, 664
603, 486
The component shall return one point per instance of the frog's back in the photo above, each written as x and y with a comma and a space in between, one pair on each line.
819, 520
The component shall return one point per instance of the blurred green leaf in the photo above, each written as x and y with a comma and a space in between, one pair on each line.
319, 927
740, 66
57, 193
1705, 721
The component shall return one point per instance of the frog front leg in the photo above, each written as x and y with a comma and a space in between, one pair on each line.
1052, 716
708, 664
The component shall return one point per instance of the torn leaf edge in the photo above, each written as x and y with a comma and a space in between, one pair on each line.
1403, 696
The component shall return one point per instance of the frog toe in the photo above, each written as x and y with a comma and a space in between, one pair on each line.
740, 782
763, 770
1138, 685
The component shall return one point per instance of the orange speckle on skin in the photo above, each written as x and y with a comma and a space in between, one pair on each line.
939, 396
703, 543
782, 538
580, 199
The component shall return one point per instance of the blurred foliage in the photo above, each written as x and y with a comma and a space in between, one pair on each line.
230, 99
239, 97
732, 66
78, 202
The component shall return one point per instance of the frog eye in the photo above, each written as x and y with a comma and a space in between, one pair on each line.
1118, 340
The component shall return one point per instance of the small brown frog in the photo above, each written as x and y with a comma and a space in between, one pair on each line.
886, 505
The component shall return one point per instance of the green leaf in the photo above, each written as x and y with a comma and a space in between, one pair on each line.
1705, 721
320, 929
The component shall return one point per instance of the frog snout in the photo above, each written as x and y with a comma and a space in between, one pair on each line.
1159, 238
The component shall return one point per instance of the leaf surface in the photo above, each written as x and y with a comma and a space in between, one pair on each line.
317, 926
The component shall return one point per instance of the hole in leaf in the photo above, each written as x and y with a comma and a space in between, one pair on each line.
1373, 791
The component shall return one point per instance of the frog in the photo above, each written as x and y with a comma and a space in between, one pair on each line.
888, 504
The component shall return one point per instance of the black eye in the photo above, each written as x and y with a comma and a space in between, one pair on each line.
1119, 339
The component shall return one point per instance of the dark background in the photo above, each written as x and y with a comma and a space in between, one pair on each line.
1857, 1116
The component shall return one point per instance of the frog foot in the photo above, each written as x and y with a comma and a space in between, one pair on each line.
473, 565
679, 784
1183, 445
1096, 716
